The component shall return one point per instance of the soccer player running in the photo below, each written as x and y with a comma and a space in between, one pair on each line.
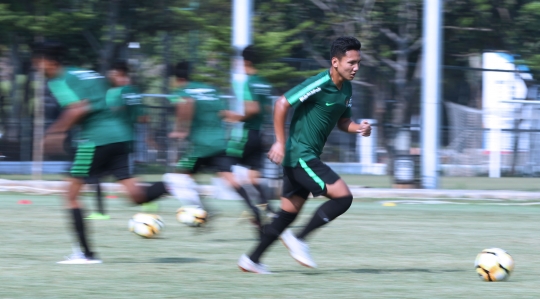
105, 139
320, 103
248, 151
198, 121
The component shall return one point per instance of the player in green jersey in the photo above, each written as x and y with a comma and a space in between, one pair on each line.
199, 123
248, 150
103, 146
321, 102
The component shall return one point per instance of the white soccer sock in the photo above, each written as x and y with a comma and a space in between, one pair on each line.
182, 187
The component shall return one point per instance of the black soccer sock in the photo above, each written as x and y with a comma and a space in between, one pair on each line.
327, 212
271, 232
99, 198
264, 199
78, 223
154, 191
253, 208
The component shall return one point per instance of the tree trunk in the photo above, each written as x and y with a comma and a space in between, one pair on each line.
108, 49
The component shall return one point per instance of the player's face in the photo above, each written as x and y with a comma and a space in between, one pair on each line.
347, 66
116, 78
48, 67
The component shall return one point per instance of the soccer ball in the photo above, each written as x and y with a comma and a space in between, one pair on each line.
191, 216
494, 264
146, 225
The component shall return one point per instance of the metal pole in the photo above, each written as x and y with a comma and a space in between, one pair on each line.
241, 37
39, 123
431, 91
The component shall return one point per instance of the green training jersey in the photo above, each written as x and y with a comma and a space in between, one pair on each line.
100, 126
207, 134
257, 89
318, 104
126, 103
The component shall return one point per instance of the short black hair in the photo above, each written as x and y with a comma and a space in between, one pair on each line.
182, 70
252, 54
343, 44
49, 50
121, 66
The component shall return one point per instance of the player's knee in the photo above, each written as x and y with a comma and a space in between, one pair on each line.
345, 202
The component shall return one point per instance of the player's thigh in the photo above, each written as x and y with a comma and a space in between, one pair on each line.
337, 189
253, 151
118, 161
292, 188
315, 176
88, 160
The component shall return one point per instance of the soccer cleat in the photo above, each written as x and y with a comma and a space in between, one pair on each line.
247, 265
298, 250
78, 258
98, 216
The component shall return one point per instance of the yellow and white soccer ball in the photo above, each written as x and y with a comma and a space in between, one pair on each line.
494, 264
191, 216
146, 225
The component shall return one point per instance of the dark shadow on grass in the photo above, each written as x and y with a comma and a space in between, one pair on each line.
233, 240
368, 271
162, 260
404, 270
176, 260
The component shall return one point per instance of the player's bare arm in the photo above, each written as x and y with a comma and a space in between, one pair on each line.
184, 117
349, 126
277, 152
71, 115
251, 108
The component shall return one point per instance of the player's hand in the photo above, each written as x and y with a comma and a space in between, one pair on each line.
178, 135
54, 143
276, 153
365, 129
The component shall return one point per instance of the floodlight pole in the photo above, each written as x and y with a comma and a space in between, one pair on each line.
241, 37
431, 92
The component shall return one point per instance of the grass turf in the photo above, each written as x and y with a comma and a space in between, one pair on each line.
406, 251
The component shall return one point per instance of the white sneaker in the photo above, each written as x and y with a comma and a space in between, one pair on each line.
299, 250
247, 265
79, 258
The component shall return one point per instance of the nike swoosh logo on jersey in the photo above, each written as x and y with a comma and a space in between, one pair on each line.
330, 104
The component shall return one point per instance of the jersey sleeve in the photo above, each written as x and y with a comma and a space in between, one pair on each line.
347, 112
178, 97
63, 93
248, 96
304, 92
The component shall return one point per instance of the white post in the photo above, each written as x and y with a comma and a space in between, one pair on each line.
431, 79
39, 125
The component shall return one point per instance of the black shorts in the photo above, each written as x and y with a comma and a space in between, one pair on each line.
191, 163
92, 161
247, 152
307, 177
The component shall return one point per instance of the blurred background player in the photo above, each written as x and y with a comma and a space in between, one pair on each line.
104, 137
248, 151
198, 121
125, 101
320, 103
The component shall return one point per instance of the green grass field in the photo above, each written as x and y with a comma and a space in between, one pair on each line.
373, 251
463, 183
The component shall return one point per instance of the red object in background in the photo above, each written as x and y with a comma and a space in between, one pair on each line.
112, 197
24, 202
